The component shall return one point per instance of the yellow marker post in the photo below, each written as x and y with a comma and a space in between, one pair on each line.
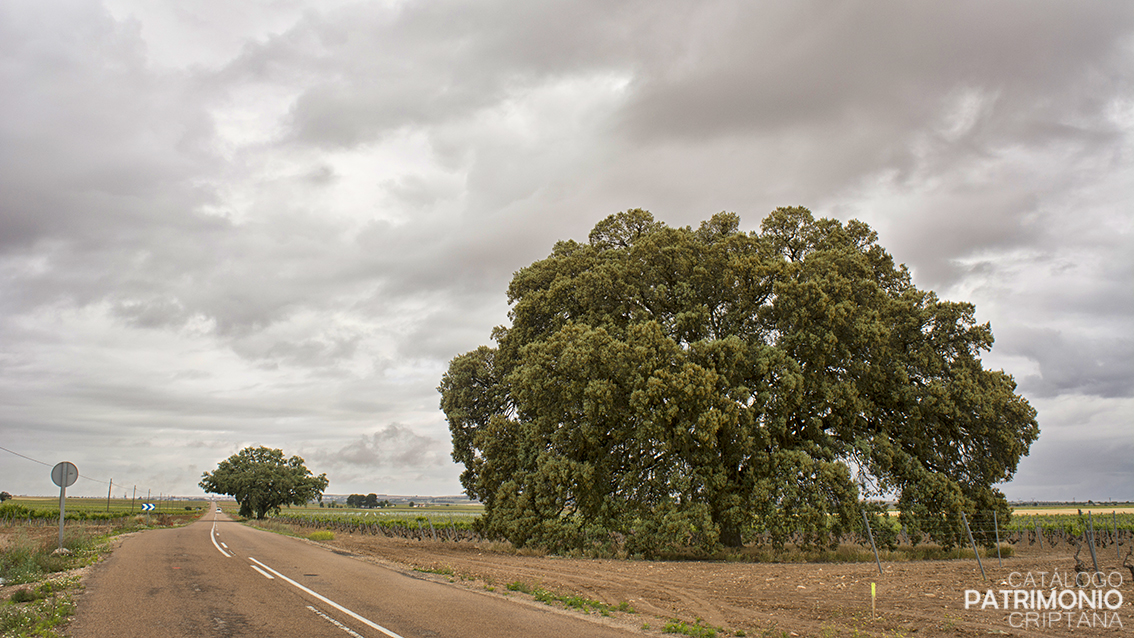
873, 593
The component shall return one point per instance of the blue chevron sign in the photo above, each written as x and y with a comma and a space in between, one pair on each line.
147, 507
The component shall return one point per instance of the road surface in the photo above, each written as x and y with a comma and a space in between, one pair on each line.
216, 577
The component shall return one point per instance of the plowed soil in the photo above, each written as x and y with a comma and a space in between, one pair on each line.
919, 598
926, 598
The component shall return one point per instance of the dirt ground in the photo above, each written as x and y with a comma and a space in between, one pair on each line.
760, 599
826, 600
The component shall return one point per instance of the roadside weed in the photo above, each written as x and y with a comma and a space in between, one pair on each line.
39, 611
571, 601
697, 630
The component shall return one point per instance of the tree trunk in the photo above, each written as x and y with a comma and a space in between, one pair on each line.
730, 536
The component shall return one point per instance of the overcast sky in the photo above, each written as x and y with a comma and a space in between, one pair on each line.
274, 223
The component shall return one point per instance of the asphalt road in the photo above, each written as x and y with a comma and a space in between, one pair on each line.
216, 577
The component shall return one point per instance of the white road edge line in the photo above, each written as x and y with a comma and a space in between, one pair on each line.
213, 537
336, 623
263, 573
330, 602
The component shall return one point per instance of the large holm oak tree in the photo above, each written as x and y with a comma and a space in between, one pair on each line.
262, 480
676, 388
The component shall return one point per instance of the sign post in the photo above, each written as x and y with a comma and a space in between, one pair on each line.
63, 475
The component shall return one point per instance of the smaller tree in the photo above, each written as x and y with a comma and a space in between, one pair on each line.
371, 501
355, 500
4, 496
262, 480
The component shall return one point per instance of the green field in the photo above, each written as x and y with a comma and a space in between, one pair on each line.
460, 516
123, 507
396, 510
1072, 523
91, 508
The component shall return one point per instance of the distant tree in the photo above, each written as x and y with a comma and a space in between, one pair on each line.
355, 500
371, 501
262, 480
683, 387
4, 496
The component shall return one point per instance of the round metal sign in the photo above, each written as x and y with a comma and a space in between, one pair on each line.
64, 474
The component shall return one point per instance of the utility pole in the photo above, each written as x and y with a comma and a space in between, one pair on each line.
132, 498
108, 494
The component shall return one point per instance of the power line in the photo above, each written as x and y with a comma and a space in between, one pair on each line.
48, 464
25, 457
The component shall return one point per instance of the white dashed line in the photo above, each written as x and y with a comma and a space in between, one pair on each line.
336, 623
263, 573
330, 602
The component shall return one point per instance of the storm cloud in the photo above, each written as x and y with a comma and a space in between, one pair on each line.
275, 223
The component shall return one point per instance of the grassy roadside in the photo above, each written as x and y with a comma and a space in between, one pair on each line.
38, 581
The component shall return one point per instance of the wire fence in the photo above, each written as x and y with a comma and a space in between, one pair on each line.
419, 528
887, 531
1105, 536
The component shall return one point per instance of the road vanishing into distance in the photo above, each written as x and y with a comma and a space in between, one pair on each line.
217, 577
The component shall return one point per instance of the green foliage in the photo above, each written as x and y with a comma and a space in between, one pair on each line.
262, 480
1069, 523
691, 388
17, 511
697, 629
25, 560
321, 535
439, 521
37, 618
24, 596
370, 501
39, 611
570, 601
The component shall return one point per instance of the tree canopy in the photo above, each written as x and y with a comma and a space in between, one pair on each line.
262, 480
369, 501
692, 388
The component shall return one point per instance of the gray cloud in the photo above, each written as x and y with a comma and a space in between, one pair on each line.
275, 223
1074, 363
392, 446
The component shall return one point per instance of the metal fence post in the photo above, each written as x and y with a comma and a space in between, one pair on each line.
996, 527
870, 535
1114, 521
1091, 540
975, 550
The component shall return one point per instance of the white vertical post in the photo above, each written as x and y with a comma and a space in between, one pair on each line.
62, 505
